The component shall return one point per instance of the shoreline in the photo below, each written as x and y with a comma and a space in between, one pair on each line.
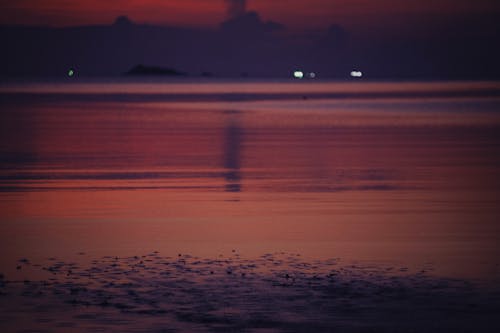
278, 292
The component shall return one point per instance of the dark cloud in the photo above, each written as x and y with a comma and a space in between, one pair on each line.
249, 24
236, 8
247, 44
123, 21
337, 36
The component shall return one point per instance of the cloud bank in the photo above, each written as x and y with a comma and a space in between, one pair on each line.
236, 8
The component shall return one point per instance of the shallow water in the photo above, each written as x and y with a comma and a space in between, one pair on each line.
276, 292
385, 175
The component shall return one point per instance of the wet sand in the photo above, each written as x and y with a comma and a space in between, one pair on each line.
277, 292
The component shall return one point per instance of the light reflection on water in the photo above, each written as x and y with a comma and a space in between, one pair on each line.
407, 179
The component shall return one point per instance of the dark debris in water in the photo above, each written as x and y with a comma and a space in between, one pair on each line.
277, 292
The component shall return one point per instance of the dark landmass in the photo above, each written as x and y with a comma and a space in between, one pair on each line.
141, 70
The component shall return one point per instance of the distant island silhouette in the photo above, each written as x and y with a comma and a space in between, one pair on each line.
246, 43
154, 70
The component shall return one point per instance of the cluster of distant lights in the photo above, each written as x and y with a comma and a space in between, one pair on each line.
356, 74
301, 75
312, 75
296, 74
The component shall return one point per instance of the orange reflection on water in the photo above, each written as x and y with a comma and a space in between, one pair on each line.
411, 180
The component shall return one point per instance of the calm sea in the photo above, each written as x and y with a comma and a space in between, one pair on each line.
405, 172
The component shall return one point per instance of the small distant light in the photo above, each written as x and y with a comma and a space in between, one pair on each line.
356, 74
298, 74
71, 72
312, 75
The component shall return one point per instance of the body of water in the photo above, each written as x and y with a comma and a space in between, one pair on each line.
388, 174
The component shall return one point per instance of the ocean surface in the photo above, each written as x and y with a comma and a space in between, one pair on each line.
390, 175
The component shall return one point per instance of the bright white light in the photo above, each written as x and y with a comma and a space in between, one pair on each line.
298, 74
356, 74
312, 75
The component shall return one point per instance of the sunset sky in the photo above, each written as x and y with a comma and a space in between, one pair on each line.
387, 38
295, 14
